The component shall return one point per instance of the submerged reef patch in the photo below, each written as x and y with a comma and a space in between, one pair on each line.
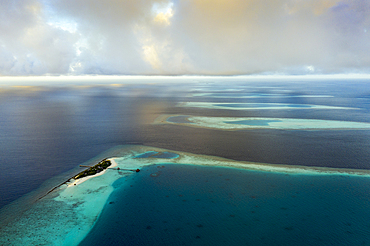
255, 106
245, 123
254, 95
155, 154
67, 214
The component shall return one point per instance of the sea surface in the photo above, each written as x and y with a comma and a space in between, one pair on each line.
47, 131
196, 205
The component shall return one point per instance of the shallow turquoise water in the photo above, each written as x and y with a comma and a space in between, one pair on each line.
41, 133
196, 205
263, 105
166, 155
179, 119
252, 122
146, 154
155, 154
233, 94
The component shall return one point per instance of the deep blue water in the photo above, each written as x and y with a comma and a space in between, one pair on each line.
194, 205
46, 132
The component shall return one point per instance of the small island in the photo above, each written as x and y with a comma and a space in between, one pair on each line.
104, 164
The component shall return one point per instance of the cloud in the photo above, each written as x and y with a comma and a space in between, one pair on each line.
28, 45
184, 36
256, 36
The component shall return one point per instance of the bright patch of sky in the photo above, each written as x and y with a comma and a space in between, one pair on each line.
209, 37
57, 21
163, 12
64, 25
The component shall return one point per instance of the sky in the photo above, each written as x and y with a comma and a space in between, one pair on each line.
184, 37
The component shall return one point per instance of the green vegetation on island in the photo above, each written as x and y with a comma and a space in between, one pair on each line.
104, 164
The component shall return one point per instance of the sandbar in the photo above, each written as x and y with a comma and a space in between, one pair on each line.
255, 106
250, 123
254, 95
68, 213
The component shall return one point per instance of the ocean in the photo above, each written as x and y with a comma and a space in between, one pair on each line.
187, 205
47, 131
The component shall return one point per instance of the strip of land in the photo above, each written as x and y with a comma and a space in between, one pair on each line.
66, 215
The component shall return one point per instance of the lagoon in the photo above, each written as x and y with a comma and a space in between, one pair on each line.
196, 205
320, 150
187, 198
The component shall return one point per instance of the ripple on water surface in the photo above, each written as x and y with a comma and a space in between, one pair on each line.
196, 205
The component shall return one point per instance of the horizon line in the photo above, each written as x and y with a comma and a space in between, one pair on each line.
49, 80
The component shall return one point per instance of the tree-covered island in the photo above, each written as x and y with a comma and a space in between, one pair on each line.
104, 164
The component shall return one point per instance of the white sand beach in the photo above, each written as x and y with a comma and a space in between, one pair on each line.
74, 182
67, 214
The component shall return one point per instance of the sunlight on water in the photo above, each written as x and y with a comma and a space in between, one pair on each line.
240, 163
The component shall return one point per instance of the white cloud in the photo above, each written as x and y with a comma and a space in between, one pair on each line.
29, 44
184, 36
